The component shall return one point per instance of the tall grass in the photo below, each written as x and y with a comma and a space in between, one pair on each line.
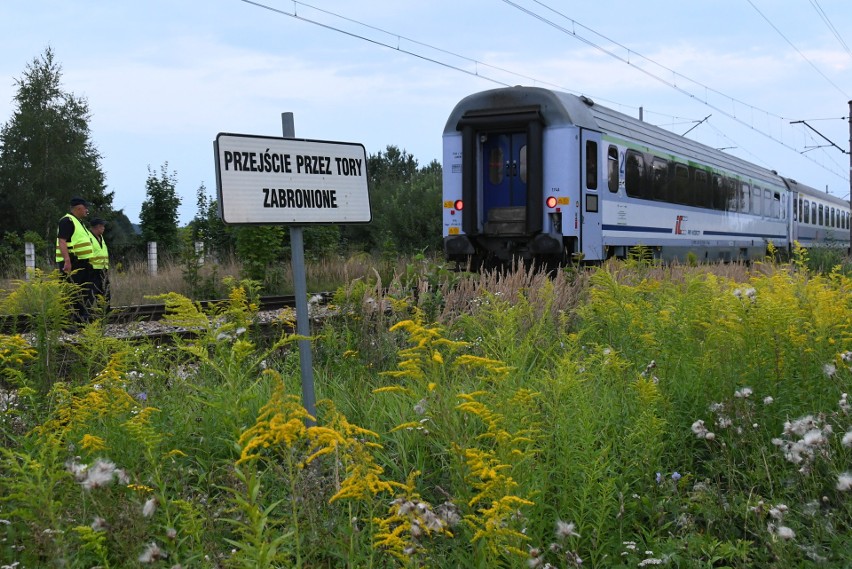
625, 416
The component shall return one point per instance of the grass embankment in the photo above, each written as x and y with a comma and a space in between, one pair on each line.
626, 416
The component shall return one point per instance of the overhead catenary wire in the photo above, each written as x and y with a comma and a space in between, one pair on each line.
476, 73
662, 80
397, 47
811, 63
832, 29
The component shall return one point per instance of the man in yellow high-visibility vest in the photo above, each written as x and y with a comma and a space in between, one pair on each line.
73, 255
100, 260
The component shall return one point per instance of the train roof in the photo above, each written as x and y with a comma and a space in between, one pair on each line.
558, 108
815, 193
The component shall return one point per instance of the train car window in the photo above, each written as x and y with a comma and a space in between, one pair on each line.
612, 168
591, 165
813, 213
523, 159
660, 180
700, 190
732, 194
800, 206
767, 203
776, 205
680, 187
635, 181
806, 215
719, 197
795, 209
755, 201
495, 165
746, 199
821, 221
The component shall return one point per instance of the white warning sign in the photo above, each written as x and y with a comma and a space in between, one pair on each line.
270, 180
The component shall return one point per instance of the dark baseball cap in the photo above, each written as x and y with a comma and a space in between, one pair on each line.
79, 201
97, 221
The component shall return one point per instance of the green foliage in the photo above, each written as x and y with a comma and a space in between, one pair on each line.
200, 275
682, 420
406, 205
46, 153
258, 542
46, 300
208, 228
159, 214
258, 247
321, 242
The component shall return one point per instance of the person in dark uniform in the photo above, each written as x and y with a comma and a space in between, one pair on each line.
73, 253
100, 261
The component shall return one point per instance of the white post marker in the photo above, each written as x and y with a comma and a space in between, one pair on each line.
271, 181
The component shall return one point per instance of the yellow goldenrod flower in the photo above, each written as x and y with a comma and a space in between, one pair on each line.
92, 443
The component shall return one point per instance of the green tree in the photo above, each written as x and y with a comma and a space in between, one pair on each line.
121, 238
416, 206
406, 205
257, 247
46, 153
207, 226
159, 215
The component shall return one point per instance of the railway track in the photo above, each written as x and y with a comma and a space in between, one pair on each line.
119, 316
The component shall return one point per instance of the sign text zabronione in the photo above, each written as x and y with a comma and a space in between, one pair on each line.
272, 180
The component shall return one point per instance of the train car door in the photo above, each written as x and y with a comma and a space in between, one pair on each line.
591, 180
504, 172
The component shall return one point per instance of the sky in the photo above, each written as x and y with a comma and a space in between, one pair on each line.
772, 78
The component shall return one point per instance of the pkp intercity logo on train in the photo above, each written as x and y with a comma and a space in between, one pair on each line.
272, 180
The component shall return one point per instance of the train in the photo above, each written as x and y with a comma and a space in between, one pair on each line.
535, 174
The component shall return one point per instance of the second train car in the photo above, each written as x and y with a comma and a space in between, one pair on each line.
535, 174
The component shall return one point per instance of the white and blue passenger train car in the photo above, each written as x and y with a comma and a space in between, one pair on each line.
531, 173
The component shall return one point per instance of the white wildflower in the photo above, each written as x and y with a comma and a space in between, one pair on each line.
743, 393
149, 508
813, 438
778, 511
768, 400
99, 524
99, 474
847, 439
829, 370
566, 529
699, 429
785, 533
800, 426
844, 482
152, 553
723, 422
